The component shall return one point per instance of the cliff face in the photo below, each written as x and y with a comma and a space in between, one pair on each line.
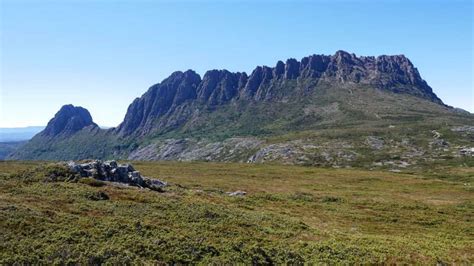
228, 116
158, 100
218, 87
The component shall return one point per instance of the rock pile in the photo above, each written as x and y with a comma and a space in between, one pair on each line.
113, 172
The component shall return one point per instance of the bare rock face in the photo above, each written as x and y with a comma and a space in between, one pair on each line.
218, 87
169, 103
292, 69
232, 149
68, 120
159, 100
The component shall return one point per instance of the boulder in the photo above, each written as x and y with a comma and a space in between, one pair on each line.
113, 172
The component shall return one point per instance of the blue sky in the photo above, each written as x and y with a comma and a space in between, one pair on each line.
103, 54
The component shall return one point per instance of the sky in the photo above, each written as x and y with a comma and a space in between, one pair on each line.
103, 54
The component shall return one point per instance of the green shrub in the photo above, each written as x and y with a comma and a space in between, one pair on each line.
48, 173
58, 173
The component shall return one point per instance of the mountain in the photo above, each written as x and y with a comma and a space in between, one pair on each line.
68, 121
70, 133
338, 110
157, 108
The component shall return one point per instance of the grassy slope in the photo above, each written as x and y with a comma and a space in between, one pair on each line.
290, 214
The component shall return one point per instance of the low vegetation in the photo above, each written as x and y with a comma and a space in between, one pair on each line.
290, 214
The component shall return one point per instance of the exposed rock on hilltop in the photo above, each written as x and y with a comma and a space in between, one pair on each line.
70, 134
68, 120
158, 100
218, 87
333, 110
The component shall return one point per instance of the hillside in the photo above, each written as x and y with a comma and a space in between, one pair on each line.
339, 110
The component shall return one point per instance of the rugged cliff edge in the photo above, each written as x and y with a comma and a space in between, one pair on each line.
218, 87
321, 110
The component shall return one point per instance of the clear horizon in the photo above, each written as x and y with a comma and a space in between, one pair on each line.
102, 54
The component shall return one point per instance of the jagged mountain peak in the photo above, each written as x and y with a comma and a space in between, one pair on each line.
185, 112
218, 87
68, 120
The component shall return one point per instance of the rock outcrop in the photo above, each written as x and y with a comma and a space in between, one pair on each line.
68, 120
113, 172
218, 87
159, 100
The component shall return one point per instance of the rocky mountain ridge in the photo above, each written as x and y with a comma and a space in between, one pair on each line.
339, 110
218, 87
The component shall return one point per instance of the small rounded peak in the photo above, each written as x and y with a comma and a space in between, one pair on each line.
192, 76
226, 72
178, 76
190, 72
341, 52
69, 119
211, 74
67, 106
344, 54
70, 109
215, 73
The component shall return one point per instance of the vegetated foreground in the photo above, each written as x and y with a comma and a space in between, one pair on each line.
290, 214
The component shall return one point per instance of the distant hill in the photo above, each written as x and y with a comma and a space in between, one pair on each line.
12, 138
19, 133
338, 110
